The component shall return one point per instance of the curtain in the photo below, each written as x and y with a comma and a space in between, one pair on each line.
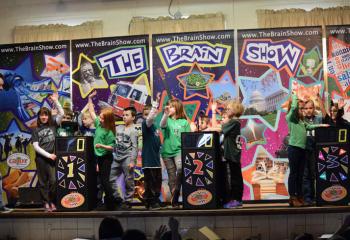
53, 32
206, 22
300, 17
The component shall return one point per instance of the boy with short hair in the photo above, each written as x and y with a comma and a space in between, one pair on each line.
125, 155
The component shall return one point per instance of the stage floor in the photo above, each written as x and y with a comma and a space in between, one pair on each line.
140, 211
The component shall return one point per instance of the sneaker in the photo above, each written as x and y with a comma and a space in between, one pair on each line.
5, 210
53, 207
47, 207
233, 204
125, 206
154, 206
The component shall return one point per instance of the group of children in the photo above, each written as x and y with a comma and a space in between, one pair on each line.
115, 148
302, 120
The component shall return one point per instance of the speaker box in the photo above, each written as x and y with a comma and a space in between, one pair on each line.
29, 197
75, 174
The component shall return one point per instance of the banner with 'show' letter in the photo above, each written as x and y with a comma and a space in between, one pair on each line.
273, 63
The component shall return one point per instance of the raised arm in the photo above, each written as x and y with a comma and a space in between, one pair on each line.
57, 105
153, 113
91, 106
163, 121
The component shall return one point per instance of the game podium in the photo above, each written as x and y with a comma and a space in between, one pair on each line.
75, 174
332, 166
202, 170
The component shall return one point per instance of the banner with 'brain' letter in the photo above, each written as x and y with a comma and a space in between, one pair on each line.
198, 69
272, 64
31, 72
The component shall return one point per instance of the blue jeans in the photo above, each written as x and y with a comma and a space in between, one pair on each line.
309, 176
296, 156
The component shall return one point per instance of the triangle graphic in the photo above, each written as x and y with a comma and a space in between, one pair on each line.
60, 165
189, 180
200, 154
199, 183
333, 178
320, 156
71, 185
82, 176
65, 158
345, 168
342, 176
323, 176
207, 156
63, 183
210, 165
82, 168
192, 155
187, 161
60, 175
334, 149
80, 184
331, 158
345, 159
326, 149
341, 151
208, 181
187, 171
80, 160
210, 173
320, 167
72, 158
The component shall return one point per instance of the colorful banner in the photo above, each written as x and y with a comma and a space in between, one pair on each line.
31, 72
118, 69
196, 68
272, 62
338, 64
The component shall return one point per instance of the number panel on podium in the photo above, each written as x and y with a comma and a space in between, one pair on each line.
332, 166
201, 170
75, 174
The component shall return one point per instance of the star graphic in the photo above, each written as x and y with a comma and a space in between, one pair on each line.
224, 88
338, 62
253, 133
55, 67
262, 97
311, 64
76, 76
266, 167
196, 88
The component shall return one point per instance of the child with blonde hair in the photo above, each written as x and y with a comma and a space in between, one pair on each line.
231, 129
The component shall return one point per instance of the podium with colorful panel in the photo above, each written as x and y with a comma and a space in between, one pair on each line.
332, 166
202, 177
75, 174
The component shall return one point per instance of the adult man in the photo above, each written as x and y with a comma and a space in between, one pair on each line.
88, 79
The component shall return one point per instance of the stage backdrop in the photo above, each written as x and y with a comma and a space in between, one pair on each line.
338, 64
271, 63
196, 68
118, 69
31, 72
